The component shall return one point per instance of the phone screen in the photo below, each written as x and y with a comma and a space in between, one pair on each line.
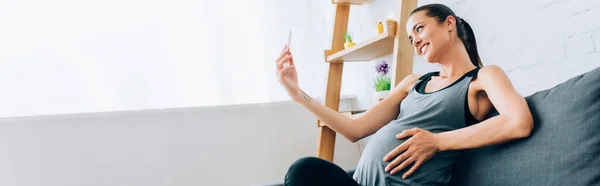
289, 38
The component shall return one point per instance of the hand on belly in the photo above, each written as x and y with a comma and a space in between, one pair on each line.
420, 147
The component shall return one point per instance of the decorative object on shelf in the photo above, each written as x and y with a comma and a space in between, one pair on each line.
382, 82
368, 49
379, 27
349, 42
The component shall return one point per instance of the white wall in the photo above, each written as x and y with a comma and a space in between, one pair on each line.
539, 43
70, 56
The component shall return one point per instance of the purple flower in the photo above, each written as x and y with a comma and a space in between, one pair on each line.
382, 68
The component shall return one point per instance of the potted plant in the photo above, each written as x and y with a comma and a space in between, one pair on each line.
382, 82
349, 42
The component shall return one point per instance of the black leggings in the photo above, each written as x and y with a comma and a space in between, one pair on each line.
312, 171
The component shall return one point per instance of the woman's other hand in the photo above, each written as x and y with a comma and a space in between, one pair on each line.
420, 147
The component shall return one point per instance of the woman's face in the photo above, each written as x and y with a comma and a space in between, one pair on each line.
429, 38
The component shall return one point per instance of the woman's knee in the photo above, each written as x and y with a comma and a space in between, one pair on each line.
306, 164
304, 171
316, 171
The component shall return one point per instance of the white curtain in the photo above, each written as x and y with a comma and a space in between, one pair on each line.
70, 56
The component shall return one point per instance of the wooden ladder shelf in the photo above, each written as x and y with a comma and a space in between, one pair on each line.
392, 41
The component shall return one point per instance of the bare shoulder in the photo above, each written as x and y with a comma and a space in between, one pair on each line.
407, 83
491, 72
493, 78
402, 89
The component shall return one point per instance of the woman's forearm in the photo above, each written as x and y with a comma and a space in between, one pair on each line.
334, 120
495, 130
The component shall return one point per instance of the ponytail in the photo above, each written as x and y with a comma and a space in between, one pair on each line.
466, 35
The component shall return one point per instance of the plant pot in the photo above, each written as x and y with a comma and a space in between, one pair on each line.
378, 96
348, 45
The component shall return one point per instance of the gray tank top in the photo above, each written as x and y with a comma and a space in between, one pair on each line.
438, 111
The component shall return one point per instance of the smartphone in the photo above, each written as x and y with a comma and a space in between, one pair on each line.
288, 45
289, 38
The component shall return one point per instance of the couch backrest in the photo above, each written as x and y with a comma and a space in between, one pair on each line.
563, 149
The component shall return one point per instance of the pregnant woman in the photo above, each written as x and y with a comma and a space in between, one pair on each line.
418, 130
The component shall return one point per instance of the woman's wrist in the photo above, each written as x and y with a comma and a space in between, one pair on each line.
440, 142
297, 97
302, 97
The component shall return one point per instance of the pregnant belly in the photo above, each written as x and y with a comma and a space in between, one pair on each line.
383, 142
370, 170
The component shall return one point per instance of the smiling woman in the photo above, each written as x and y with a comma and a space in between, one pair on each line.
417, 130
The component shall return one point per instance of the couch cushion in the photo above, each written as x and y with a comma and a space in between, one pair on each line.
563, 149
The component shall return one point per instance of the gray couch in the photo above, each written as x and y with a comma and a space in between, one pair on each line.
563, 149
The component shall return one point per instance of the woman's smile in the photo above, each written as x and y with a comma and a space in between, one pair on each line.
424, 48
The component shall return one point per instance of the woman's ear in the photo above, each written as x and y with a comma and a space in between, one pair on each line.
450, 23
